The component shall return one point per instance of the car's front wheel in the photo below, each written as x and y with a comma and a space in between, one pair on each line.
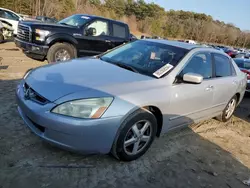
136, 136
61, 52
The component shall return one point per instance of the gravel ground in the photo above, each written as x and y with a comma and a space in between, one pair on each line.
208, 154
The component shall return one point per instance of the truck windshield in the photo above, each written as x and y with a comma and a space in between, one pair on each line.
75, 20
146, 57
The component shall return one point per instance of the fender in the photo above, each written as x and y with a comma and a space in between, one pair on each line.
60, 37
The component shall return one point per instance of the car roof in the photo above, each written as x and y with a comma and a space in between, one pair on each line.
10, 11
7, 10
94, 16
184, 45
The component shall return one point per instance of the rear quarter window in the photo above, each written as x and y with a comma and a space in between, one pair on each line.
239, 63
119, 30
233, 69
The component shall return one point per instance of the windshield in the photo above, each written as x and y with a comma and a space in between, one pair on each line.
75, 20
146, 57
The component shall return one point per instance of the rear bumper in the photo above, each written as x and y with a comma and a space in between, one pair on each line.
32, 50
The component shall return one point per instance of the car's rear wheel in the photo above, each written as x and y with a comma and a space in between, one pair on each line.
229, 110
61, 52
136, 136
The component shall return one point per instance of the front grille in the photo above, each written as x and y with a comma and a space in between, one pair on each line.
24, 33
31, 94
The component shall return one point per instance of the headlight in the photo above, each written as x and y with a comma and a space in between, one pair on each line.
84, 108
27, 73
41, 34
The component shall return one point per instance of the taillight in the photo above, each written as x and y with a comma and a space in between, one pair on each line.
247, 72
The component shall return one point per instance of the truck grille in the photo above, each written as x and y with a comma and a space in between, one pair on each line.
30, 94
24, 33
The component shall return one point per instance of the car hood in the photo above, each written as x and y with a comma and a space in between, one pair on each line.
45, 25
57, 80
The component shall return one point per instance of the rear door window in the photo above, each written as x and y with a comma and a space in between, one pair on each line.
223, 66
119, 31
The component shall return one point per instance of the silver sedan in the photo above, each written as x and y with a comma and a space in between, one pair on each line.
120, 101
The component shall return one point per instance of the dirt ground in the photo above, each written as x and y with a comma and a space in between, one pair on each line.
208, 154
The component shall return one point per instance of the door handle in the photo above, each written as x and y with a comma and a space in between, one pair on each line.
235, 82
209, 88
108, 41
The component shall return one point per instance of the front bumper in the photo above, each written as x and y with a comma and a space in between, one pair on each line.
85, 136
32, 50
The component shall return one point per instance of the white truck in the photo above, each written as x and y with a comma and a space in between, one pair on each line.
190, 41
6, 31
11, 17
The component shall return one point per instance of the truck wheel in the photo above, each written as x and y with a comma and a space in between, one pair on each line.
61, 52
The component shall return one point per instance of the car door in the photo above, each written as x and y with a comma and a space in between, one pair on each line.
191, 102
11, 18
225, 81
96, 42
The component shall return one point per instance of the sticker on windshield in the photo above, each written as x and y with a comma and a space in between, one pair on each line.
152, 56
85, 17
160, 72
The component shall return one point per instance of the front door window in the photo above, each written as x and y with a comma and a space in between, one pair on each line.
200, 64
97, 28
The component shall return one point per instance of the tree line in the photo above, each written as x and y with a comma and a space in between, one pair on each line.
145, 17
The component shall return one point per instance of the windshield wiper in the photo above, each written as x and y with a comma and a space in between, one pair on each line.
128, 67
122, 65
64, 24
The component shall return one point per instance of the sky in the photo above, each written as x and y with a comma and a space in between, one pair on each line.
229, 11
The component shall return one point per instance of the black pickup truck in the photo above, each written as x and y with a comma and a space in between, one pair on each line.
75, 36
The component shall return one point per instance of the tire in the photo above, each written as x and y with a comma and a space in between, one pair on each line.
60, 48
1, 37
224, 116
141, 119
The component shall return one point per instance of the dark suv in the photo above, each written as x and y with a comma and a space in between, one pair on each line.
74, 36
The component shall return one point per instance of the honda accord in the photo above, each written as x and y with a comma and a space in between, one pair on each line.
118, 102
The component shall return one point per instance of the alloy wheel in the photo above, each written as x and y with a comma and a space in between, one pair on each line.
62, 55
230, 108
138, 137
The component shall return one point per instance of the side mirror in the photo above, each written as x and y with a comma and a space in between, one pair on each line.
192, 78
91, 31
